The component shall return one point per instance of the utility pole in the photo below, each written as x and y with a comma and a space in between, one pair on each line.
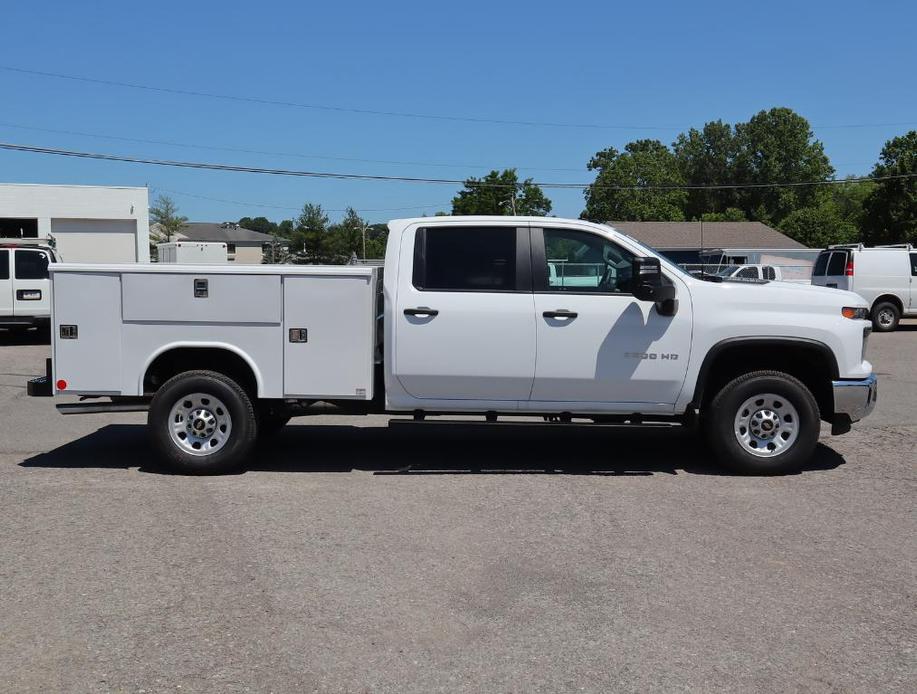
364, 226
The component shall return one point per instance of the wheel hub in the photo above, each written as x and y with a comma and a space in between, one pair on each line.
766, 425
200, 424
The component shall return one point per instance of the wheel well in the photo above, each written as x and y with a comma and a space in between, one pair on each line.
890, 298
180, 359
812, 363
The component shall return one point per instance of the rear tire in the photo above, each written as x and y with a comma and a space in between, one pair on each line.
885, 317
202, 423
763, 423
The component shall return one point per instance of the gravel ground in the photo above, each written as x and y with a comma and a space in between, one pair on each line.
354, 556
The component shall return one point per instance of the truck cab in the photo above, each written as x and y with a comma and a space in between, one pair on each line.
24, 284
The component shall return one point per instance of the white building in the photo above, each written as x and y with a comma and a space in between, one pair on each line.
97, 224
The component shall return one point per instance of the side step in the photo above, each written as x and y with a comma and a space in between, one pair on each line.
99, 407
514, 423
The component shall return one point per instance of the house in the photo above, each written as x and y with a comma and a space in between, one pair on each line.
88, 224
685, 242
243, 246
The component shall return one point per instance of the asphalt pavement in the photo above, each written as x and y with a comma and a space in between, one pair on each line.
358, 557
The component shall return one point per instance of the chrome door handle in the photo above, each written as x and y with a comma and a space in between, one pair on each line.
560, 313
421, 311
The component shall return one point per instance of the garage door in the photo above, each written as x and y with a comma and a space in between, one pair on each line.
96, 240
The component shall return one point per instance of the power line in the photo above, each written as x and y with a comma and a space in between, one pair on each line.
418, 179
238, 150
376, 112
243, 203
325, 107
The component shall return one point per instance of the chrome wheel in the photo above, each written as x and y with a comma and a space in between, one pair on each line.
200, 424
766, 425
886, 317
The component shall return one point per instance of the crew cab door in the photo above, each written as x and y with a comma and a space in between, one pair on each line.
31, 287
598, 347
464, 326
6, 285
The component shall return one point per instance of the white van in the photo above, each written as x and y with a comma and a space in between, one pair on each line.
883, 275
24, 286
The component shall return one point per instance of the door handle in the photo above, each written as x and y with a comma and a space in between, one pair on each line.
421, 311
560, 313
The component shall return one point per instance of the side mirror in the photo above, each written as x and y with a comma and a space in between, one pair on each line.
648, 286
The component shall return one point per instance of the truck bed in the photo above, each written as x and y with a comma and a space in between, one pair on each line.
307, 332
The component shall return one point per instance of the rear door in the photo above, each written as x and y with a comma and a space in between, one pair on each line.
913, 292
835, 272
464, 319
31, 287
6, 285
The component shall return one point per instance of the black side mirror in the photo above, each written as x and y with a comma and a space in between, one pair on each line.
648, 285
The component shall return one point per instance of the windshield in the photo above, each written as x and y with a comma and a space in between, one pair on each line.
652, 251
727, 271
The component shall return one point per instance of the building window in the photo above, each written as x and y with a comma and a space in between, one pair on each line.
15, 228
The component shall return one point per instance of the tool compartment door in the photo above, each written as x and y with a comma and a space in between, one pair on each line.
329, 328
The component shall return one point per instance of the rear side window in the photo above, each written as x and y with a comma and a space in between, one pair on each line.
837, 264
821, 264
4, 265
750, 273
769, 273
31, 265
471, 259
913, 265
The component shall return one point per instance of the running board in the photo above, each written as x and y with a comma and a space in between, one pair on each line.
99, 407
543, 424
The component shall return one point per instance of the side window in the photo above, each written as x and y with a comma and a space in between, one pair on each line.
31, 265
475, 259
577, 261
821, 264
769, 273
4, 265
748, 273
838, 263
913, 265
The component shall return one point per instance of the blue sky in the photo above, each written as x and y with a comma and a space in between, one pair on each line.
656, 68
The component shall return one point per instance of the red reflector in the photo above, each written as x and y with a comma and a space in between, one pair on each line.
62, 384
849, 271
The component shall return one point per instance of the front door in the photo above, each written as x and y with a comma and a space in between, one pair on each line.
598, 347
464, 316
31, 287
6, 285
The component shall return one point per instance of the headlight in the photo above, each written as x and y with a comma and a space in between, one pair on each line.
855, 313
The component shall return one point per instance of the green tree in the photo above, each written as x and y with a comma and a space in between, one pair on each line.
778, 146
642, 163
310, 239
501, 193
707, 157
347, 236
821, 225
891, 208
730, 214
262, 224
164, 213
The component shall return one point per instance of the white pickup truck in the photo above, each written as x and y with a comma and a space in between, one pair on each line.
497, 316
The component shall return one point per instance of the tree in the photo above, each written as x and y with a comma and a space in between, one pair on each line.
642, 163
707, 157
891, 208
778, 146
730, 214
310, 239
820, 226
347, 235
164, 213
262, 224
501, 193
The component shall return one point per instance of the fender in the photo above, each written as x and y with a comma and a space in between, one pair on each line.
731, 342
259, 382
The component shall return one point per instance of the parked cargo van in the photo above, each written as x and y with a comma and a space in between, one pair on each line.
24, 286
883, 275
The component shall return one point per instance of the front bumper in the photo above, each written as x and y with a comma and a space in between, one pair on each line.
853, 400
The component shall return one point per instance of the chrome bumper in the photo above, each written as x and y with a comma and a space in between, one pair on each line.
854, 400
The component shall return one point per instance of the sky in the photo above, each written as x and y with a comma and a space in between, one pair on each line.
626, 70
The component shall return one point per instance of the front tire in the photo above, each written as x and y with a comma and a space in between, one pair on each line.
762, 423
885, 317
202, 423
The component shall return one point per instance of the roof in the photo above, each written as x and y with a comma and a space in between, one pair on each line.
687, 235
226, 232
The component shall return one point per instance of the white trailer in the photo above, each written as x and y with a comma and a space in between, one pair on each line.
193, 252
